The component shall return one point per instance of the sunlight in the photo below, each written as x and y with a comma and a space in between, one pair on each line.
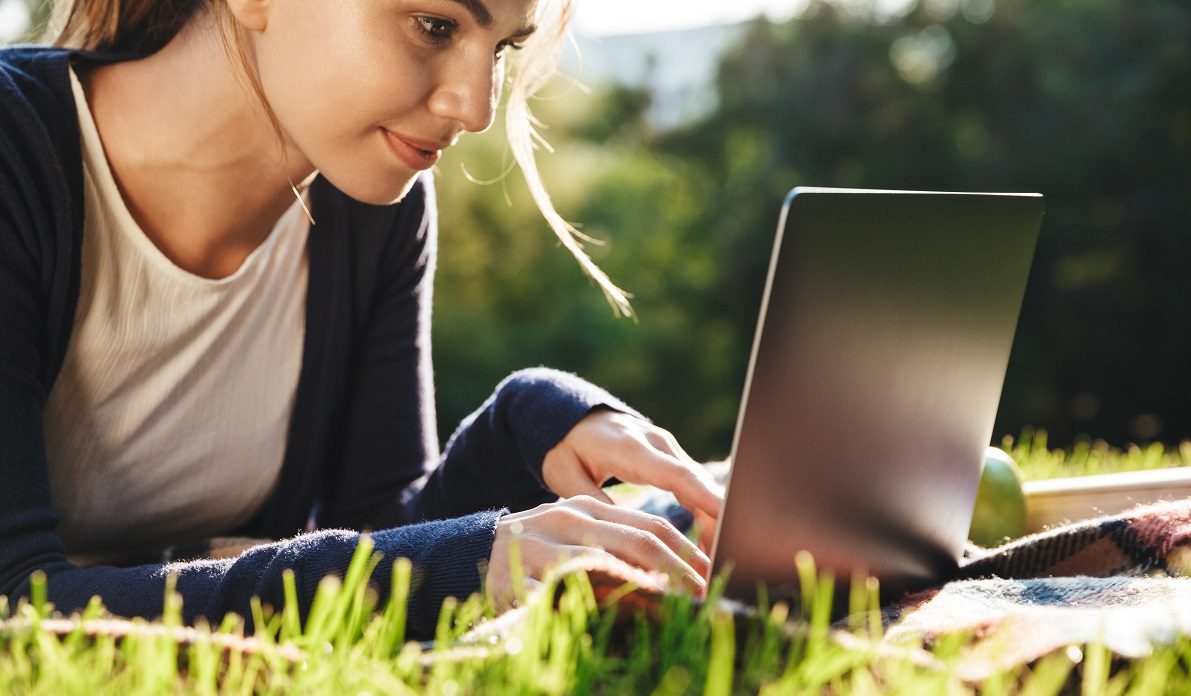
14, 20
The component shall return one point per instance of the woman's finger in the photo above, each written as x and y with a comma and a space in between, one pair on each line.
654, 457
694, 488
705, 529
569, 478
705, 483
659, 526
636, 541
611, 444
645, 550
551, 533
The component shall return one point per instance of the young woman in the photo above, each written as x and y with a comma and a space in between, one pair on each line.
217, 244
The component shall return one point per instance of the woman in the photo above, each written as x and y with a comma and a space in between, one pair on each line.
193, 346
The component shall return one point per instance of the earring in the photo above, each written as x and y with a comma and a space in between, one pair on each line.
301, 202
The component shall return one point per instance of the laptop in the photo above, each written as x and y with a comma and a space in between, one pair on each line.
875, 374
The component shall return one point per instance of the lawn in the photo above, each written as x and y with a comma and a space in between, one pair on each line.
572, 644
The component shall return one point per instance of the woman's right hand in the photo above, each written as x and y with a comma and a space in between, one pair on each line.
582, 525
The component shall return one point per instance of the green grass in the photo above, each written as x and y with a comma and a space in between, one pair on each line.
349, 645
1087, 456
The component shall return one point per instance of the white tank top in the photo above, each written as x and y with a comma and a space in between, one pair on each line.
168, 420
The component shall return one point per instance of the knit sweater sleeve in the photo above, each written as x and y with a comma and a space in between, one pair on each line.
495, 456
35, 255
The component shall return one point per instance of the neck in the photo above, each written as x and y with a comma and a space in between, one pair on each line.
194, 155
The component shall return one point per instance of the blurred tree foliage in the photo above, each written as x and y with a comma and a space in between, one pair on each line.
1086, 101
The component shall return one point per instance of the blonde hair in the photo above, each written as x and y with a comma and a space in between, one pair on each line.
142, 27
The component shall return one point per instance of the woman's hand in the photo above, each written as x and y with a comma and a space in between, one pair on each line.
583, 526
607, 444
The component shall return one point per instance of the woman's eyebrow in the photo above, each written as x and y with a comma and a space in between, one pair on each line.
483, 17
478, 11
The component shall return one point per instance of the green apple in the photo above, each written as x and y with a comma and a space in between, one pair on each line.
1000, 513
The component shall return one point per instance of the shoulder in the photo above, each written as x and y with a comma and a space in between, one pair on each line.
35, 86
32, 64
39, 149
38, 121
36, 99
40, 156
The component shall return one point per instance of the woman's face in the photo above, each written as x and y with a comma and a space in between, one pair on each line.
371, 91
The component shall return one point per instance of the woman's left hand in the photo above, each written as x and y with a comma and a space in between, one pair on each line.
609, 444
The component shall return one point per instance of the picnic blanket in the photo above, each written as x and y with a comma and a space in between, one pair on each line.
1120, 580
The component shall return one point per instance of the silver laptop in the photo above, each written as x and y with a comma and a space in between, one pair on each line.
875, 374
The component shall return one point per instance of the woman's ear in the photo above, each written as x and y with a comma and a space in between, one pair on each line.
253, 15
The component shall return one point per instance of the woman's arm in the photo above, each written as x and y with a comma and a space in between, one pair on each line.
495, 456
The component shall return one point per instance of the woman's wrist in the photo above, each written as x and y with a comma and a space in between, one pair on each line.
541, 406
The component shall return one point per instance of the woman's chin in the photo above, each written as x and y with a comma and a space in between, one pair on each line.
391, 195
375, 190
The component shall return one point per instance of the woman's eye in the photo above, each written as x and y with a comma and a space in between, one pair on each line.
507, 45
437, 29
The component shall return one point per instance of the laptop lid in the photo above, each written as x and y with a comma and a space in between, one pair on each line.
876, 370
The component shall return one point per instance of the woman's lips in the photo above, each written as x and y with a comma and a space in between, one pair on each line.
410, 153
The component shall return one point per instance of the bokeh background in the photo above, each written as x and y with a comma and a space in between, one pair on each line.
678, 134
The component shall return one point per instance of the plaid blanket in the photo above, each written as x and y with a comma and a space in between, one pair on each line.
1120, 581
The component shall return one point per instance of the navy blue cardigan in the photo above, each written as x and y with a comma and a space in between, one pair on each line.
362, 451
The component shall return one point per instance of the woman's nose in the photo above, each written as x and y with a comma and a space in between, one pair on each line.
468, 92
